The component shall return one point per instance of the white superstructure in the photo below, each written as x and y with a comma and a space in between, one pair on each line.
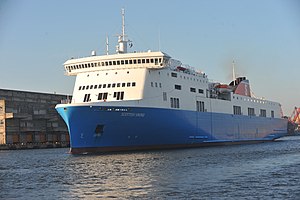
154, 79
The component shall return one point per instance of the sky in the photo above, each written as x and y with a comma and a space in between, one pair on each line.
261, 36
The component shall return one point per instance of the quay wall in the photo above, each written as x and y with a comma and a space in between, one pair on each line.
29, 119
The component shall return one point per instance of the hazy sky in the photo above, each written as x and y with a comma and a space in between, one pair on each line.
262, 36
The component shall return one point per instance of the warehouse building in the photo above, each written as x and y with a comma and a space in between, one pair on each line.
29, 119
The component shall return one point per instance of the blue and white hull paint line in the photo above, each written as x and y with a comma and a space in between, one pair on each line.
148, 100
106, 128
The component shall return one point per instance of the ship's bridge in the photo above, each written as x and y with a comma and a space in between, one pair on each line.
154, 60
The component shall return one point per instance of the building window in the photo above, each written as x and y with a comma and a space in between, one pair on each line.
91, 87
200, 106
83, 87
95, 86
128, 84
164, 96
87, 87
99, 86
79, 87
151, 84
123, 84
155, 84
173, 74
263, 113
118, 84
160, 85
113, 85
237, 110
104, 85
193, 89
251, 112
178, 87
108, 85
272, 113
200, 91
133, 84
174, 102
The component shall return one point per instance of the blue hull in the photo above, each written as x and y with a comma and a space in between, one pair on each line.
104, 128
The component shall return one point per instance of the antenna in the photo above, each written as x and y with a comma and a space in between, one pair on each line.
123, 24
107, 45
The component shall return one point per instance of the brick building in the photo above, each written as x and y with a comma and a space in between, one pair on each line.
30, 118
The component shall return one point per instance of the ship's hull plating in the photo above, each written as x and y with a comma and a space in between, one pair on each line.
106, 129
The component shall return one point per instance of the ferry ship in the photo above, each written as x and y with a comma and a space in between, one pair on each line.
148, 100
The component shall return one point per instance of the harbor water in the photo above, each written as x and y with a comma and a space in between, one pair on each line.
255, 171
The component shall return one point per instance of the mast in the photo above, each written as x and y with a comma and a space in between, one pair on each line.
122, 42
123, 24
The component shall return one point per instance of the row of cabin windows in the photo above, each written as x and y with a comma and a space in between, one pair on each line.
156, 61
178, 87
254, 100
237, 110
174, 74
109, 85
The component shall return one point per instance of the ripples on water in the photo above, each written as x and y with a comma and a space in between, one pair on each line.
257, 171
